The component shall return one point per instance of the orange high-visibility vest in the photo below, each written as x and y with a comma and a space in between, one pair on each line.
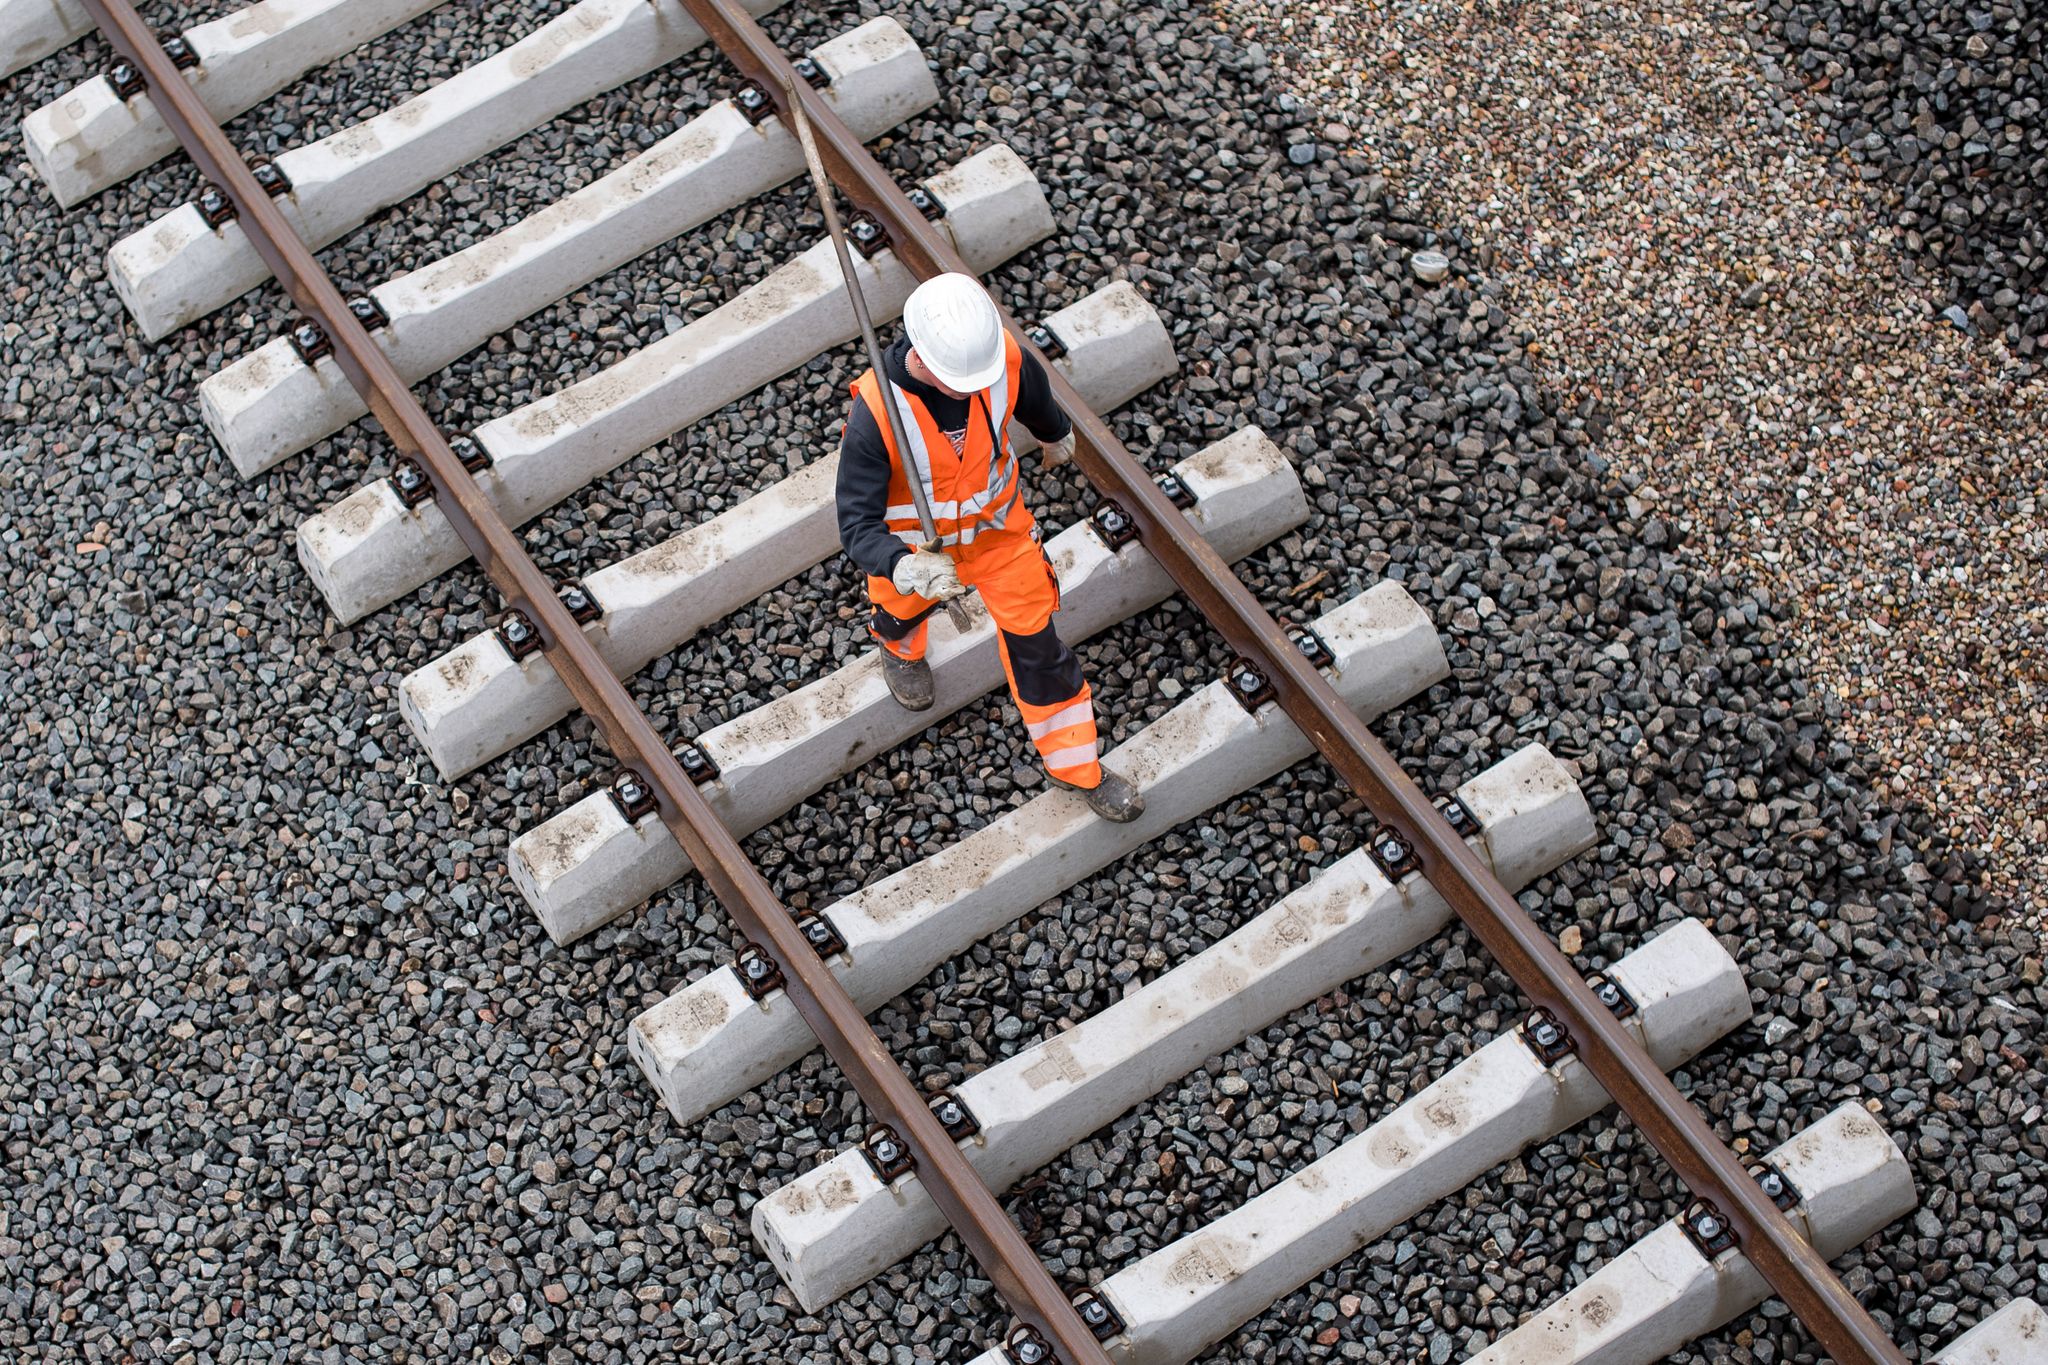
970, 492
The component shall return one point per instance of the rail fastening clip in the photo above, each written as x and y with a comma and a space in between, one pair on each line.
1026, 1347
634, 798
753, 99
1708, 1230
581, 604
1460, 815
1097, 1315
516, 632
1776, 1185
825, 940
1546, 1037
1112, 524
954, 1116
887, 1153
697, 764
409, 480
1248, 683
757, 971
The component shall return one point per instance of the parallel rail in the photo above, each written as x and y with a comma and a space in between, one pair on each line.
1270, 662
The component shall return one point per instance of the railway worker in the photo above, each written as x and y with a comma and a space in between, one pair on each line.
959, 379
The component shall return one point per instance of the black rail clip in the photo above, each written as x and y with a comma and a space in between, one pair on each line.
1707, 1229
1113, 524
1776, 1185
473, 456
825, 940
1097, 1315
925, 202
757, 971
368, 312
811, 72
1609, 992
127, 79
1248, 683
311, 341
886, 1152
1392, 854
181, 54
1460, 815
1177, 493
1313, 647
271, 177
1025, 1347
869, 237
1546, 1037
409, 480
582, 606
697, 765
1046, 340
516, 632
754, 101
634, 798
954, 1116
215, 207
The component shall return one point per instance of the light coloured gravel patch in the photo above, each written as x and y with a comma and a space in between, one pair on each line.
1660, 211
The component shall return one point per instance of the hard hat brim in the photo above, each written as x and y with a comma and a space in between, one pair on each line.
973, 381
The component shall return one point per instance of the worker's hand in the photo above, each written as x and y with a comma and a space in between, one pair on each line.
927, 574
1058, 452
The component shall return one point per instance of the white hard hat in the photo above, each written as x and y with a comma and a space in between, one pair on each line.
953, 324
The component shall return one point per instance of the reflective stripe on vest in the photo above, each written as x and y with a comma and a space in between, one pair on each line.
970, 492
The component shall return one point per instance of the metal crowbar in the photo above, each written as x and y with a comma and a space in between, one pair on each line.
956, 607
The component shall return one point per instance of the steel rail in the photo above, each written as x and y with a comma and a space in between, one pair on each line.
1710, 1171
994, 1241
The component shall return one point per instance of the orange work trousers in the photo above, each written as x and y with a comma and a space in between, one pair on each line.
1017, 584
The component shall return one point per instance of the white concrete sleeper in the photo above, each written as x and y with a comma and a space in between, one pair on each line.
31, 30
837, 1225
178, 268
589, 864
1662, 1292
2016, 1334
476, 702
271, 404
370, 548
90, 137
711, 1041
1497, 1102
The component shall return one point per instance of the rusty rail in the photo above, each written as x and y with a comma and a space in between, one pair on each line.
1798, 1273
984, 1227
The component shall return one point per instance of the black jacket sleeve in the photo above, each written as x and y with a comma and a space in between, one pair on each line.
1035, 407
863, 496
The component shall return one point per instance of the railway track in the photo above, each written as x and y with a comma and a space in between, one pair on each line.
804, 980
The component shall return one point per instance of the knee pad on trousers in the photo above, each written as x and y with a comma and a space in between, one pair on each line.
1044, 671
889, 627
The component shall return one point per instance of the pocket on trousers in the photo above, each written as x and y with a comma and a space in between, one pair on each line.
1051, 578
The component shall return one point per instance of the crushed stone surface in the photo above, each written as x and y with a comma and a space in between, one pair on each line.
1704, 275
292, 1073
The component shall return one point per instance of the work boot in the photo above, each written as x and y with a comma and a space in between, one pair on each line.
910, 681
1114, 799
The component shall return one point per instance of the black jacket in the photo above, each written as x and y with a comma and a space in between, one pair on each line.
863, 493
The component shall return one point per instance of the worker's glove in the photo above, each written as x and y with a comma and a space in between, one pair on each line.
1058, 452
927, 574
